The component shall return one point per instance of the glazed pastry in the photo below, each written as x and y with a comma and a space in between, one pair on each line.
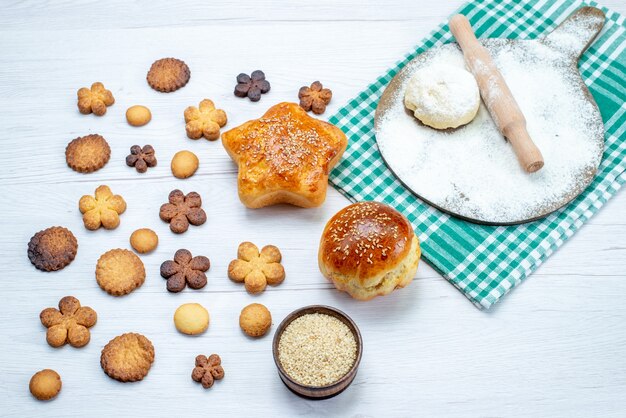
284, 157
368, 249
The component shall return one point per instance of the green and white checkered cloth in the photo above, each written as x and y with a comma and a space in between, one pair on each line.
484, 262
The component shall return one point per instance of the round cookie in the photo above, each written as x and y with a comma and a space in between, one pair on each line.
45, 384
168, 74
191, 319
138, 115
127, 357
87, 154
119, 272
442, 96
52, 249
255, 320
144, 240
184, 164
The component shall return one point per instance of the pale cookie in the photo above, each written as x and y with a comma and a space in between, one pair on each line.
127, 357
45, 384
257, 269
184, 164
144, 240
138, 115
443, 96
255, 320
119, 272
191, 319
102, 210
95, 99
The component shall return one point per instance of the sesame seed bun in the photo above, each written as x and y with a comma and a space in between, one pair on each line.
368, 249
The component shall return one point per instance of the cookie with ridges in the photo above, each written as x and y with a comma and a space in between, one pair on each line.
127, 357
45, 384
168, 74
87, 154
119, 272
52, 249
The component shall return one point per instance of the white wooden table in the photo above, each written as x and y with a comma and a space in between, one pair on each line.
554, 347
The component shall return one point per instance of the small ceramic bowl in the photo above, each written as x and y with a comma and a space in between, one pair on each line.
318, 392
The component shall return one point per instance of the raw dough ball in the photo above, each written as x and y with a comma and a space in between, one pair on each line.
138, 115
255, 319
184, 164
144, 240
45, 384
443, 96
191, 318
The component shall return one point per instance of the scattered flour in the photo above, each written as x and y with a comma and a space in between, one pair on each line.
473, 171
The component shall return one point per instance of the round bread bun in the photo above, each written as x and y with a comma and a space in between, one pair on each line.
368, 249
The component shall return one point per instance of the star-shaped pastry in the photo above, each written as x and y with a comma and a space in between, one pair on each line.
284, 157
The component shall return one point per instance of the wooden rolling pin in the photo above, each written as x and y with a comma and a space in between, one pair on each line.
499, 100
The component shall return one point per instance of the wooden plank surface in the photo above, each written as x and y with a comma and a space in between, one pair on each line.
554, 347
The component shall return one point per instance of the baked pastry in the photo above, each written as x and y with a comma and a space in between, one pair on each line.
102, 210
204, 120
255, 320
257, 269
144, 240
443, 96
68, 324
284, 157
119, 272
191, 318
87, 154
127, 357
52, 249
184, 164
207, 370
168, 74
138, 115
95, 99
368, 249
45, 384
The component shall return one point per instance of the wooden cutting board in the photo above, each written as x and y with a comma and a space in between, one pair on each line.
471, 172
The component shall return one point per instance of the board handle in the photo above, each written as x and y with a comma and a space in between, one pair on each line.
497, 96
574, 35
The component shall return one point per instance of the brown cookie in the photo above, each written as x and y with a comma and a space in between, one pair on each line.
168, 74
182, 210
119, 272
87, 154
52, 249
45, 384
207, 370
127, 357
184, 270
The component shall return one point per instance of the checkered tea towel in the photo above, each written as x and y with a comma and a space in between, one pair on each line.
484, 262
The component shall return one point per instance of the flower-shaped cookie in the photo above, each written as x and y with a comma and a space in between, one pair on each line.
68, 324
185, 269
204, 120
256, 270
314, 98
103, 210
208, 370
96, 99
182, 210
141, 158
252, 86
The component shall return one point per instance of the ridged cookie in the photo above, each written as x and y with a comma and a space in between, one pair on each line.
52, 249
127, 357
119, 272
87, 154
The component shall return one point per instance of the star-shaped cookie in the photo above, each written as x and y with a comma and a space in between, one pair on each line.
284, 157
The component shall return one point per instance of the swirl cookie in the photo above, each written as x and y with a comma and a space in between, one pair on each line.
52, 249
87, 154
127, 357
168, 74
119, 272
